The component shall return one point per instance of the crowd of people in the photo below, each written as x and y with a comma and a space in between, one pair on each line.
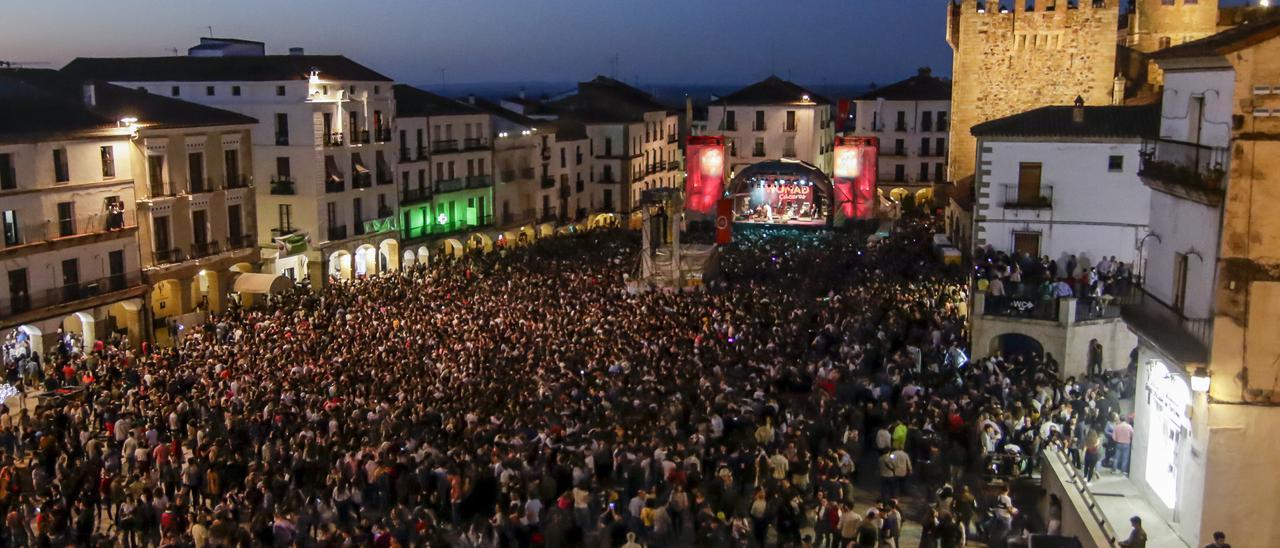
1022, 275
532, 400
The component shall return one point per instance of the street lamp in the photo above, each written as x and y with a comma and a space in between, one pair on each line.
1200, 380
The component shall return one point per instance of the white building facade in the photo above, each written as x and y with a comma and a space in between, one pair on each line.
774, 119
911, 118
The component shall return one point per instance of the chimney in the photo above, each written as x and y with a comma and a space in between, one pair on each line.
924, 71
1077, 113
297, 51
522, 92
90, 94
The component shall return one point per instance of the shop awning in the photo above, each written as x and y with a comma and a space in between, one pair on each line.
264, 284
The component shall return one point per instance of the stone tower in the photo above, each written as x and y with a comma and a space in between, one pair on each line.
1025, 55
1158, 24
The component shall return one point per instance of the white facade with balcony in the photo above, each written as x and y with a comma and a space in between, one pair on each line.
774, 119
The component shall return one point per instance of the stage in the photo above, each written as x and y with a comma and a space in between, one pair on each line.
792, 223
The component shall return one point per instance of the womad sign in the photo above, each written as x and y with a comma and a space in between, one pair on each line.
385, 224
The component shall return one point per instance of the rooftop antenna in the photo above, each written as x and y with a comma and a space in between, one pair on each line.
613, 66
210, 27
172, 50
443, 84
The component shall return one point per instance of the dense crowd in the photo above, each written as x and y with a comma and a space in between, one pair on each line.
532, 400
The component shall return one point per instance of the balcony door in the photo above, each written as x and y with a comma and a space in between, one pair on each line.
1027, 242
200, 227
1195, 119
115, 265
1179, 282
71, 279
1029, 182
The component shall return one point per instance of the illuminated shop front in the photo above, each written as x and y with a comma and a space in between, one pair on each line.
1168, 399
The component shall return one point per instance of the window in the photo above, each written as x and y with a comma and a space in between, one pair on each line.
924, 146
1115, 163
759, 123
924, 172
899, 147
1165, 42
377, 90
235, 225
11, 234
195, 172
115, 269
108, 154
175, 91
279, 91
284, 214
608, 146
71, 279
282, 129
758, 149
1180, 266
155, 174
926, 121
939, 172
200, 227
940, 146
283, 169
208, 90
791, 121
563, 163
1027, 243
19, 298
235, 91
357, 215
1029, 182
160, 234
900, 173
231, 166
731, 120
942, 120
61, 173
331, 214
789, 147
66, 219
901, 125
8, 177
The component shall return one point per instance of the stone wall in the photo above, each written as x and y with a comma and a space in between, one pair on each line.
1180, 22
1018, 60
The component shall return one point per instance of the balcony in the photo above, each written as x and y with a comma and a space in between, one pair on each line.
52, 229
361, 180
758, 127
474, 144
17, 304
565, 191
384, 178
1018, 198
672, 138
479, 181
200, 250
243, 241
508, 175
758, 152
334, 139
547, 182
1030, 307
526, 173
280, 232
381, 135
282, 139
444, 145
1184, 339
161, 189
334, 184
897, 152
201, 185
673, 166
404, 155
166, 256
414, 195
422, 152
283, 187
451, 185
337, 233
8, 179
360, 137
239, 180
385, 211
1188, 170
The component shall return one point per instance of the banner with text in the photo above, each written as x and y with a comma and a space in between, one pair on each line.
704, 180
855, 177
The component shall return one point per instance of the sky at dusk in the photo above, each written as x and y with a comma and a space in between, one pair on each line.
657, 41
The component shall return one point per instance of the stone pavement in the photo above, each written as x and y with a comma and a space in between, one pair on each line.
1119, 499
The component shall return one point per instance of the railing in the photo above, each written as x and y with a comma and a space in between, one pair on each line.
757, 127
282, 231
385, 211
201, 185
413, 195
507, 175
361, 180
360, 137
282, 139
242, 241
479, 181
1029, 307
1169, 328
450, 226
384, 178
451, 185
404, 155
1016, 198
334, 185
518, 217
444, 145
422, 152
161, 189
205, 249
337, 233
758, 152
672, 138
673, 165
900, 126
526, 173
22, 302
1182, 164
565, 191
165, 256
382, 135
239, 180
1055, 457
51, 229
283, 187
334, 139
547, 182
473, 143
1105, 307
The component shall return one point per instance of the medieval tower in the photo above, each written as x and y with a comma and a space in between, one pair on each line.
1022, 56
1158, 24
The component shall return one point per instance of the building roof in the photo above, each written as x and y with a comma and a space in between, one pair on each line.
414, 102
772, 91
504, 113
604, 100
1227, 41
265, 68
1058, 121
47, 102
924, 86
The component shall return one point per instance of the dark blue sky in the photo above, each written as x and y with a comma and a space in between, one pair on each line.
657, 41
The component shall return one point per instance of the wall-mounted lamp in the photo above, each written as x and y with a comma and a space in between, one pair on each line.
1200, 380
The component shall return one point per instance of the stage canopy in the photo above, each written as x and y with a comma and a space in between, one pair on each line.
784, 192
